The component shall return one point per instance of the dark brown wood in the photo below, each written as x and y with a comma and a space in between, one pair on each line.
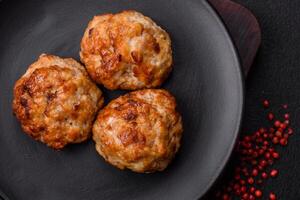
243, 27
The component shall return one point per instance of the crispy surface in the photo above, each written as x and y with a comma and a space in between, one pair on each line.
140, 131
56, 101
126, 51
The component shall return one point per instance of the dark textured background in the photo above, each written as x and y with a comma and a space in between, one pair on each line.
275, 75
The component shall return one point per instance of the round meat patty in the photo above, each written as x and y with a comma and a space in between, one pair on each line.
126, 50
56, 102
140, 131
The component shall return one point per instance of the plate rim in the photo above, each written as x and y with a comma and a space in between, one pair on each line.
226, 159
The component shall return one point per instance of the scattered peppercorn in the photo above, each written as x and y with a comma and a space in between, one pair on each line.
283, 125
283, 141
272, 196
266, 103
256, 153
252, 189
275, 155
254, 172
290, 131
264, 175
277, 123
250, 180
275, 140
258, 193
274, 173
278, 134
270, 116
287, 122
286, 116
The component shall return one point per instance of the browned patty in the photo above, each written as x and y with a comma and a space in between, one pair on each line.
140, 131
56, 101
126, 50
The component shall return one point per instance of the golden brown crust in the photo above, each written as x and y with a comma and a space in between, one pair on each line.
140, 131
126, 51
56, 102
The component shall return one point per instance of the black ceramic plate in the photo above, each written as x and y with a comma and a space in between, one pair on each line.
206, 81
